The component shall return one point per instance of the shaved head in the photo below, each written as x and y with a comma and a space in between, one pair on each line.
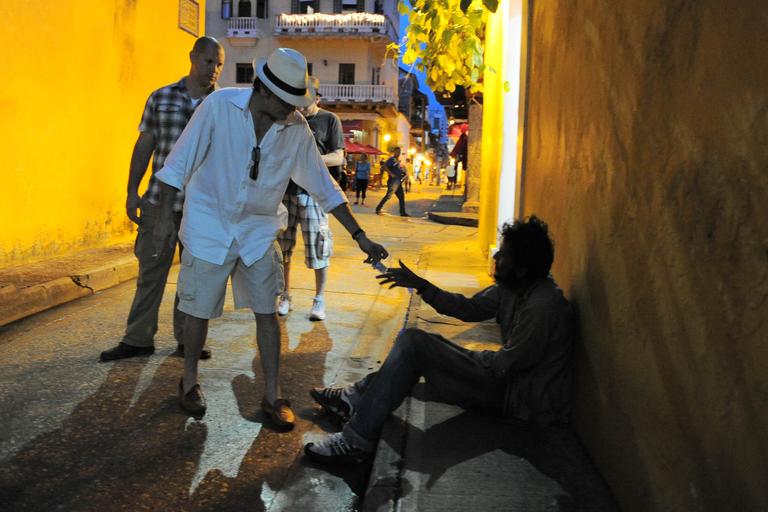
207, 61
204, 43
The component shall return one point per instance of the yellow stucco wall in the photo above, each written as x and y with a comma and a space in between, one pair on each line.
493, 125
75, 76
647, 136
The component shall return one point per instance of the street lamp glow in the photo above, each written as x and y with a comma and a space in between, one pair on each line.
387, 137
411, 151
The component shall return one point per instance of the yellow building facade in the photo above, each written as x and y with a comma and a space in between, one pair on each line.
75, 79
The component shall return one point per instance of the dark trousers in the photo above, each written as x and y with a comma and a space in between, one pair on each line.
453, 375
150, 284
393, 187
360, 187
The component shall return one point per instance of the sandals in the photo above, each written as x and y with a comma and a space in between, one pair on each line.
280, 413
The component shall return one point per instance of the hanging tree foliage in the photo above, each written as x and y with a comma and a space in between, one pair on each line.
445, 40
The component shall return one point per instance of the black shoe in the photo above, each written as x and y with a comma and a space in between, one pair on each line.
205, 354
335, 450
331, 401
193, 401
378, 211
280, 413
124, 351
404, 215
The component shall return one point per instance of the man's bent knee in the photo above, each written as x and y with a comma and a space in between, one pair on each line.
410, 338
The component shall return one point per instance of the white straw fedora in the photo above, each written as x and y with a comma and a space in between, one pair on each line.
284, 73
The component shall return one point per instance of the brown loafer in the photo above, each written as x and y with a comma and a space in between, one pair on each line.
280, 413
193, 401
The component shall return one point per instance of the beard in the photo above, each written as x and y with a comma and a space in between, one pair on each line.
506, 277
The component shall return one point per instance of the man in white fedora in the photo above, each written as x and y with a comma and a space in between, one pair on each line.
233, 161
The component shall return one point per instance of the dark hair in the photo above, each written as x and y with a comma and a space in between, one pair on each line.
527, 241
256, 84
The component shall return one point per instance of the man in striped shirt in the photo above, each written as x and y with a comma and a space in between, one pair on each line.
166, 113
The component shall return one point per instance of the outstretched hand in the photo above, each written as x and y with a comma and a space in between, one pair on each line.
376, 252
402, 276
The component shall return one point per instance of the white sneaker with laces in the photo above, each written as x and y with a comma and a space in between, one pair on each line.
318, 309
335, 449
284, 305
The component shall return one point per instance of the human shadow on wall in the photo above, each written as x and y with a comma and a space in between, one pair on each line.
110, 454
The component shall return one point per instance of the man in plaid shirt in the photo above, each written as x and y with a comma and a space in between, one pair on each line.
166, 113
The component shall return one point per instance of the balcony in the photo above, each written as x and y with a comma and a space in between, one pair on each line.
353, 93
357, 24
244, 31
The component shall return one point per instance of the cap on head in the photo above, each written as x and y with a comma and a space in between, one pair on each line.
284, 73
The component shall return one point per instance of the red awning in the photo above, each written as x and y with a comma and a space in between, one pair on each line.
372, 150
352, 147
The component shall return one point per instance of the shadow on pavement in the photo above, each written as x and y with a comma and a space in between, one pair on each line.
554, 451
108, 454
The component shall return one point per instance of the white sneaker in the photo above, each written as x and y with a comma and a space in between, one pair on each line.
318, 309
284, 305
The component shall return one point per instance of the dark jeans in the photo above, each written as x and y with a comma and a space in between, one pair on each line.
360, 187
150, 284
393, 187
453, 375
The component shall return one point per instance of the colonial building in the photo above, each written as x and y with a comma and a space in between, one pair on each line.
344, 42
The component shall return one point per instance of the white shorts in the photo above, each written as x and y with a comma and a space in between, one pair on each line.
202, 285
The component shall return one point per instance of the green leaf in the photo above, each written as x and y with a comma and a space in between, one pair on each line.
402, 8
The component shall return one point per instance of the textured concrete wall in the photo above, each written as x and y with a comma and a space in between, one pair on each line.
75, 80
474, 158
648, 155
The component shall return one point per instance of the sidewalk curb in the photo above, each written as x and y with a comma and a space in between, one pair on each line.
384, 485
455, 218
16, 304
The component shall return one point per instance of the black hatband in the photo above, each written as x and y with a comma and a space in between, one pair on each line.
282, 85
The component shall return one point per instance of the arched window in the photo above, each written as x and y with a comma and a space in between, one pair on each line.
244, 9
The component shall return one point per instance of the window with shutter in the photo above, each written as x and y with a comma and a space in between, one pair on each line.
346, 73
261, 9
337, 6
295, 7
244, 9
226, 9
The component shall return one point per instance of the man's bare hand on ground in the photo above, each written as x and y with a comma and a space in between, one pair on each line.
402, 276
132, 207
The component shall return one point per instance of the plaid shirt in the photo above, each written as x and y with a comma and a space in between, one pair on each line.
166, 113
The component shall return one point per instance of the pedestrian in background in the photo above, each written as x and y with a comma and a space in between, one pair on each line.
396, 175
362, 175
166, 113
304, 211
408, 174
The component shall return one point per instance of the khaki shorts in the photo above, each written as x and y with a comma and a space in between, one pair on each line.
202, 285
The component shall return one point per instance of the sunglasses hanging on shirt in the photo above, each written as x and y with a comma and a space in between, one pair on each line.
255, 157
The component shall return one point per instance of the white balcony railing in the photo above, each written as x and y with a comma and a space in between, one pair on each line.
244, 27
354, 92
320, 23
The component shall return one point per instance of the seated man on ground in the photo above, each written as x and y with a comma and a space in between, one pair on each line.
528, 379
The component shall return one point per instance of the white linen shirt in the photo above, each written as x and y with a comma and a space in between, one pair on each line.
211, 162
